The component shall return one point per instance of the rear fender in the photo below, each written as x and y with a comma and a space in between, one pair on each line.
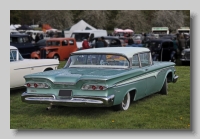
51, 54
35, 55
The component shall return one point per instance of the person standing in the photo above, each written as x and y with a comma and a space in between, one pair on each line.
175, 44
137, 44
99, 43
41, 36
105, 43
37, 38
85, 44
130, 40
182, 43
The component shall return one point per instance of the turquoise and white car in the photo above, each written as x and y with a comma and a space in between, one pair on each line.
101, 77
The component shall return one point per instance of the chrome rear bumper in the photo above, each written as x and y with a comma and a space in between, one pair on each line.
74, 101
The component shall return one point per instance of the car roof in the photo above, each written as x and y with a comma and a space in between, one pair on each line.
127, 51
13, 47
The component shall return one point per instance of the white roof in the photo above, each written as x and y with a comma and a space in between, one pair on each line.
12, 47
128, 51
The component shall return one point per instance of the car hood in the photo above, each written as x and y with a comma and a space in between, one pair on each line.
72, 75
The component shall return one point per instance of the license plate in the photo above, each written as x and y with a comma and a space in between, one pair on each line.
66, 93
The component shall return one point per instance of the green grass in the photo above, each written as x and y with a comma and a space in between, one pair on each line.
154, 112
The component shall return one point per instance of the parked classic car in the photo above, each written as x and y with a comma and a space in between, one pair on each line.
113, 41
23, 43
57, 48
101, 77
162, 49
185, 56
20, 67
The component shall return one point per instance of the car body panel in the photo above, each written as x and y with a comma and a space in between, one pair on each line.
23, 43
185, 55
161, 49
57, 47
21, 67
117, 80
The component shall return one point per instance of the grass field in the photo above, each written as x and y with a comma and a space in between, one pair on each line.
154, 112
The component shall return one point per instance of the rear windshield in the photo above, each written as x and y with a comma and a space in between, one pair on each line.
98, 60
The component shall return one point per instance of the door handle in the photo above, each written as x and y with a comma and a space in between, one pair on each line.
146, 69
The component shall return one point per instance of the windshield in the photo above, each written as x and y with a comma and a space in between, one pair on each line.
53, 43
160, 32
98, 60
80, 36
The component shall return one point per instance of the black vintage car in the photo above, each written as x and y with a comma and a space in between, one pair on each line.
169, 36
24, 44
162, 49
113, 41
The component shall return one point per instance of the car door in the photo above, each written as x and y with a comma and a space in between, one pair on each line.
165, 51
67, 48
149, 75
18, 68
140, 82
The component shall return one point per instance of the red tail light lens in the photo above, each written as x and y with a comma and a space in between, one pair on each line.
35, 85
28, 84
100, 87
94, 87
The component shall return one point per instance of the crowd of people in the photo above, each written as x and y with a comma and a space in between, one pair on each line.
99, 43
40, 36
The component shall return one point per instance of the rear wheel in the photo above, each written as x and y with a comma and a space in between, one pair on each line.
164, 91
124, 105
48, 69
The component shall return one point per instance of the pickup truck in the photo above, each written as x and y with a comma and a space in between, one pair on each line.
57, 48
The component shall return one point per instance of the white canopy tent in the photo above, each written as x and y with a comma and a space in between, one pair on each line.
12, 27
81, 25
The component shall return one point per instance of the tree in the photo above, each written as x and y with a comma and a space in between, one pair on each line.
169, 18
132, 19
59, 19
97, 18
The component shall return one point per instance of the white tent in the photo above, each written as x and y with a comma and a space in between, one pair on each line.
12, 27
81, 25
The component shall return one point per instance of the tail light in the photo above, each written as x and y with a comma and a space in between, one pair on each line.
94, 87
37, 85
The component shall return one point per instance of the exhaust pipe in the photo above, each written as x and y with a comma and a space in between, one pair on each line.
50, 107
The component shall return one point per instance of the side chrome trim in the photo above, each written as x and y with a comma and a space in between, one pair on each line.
36, 66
